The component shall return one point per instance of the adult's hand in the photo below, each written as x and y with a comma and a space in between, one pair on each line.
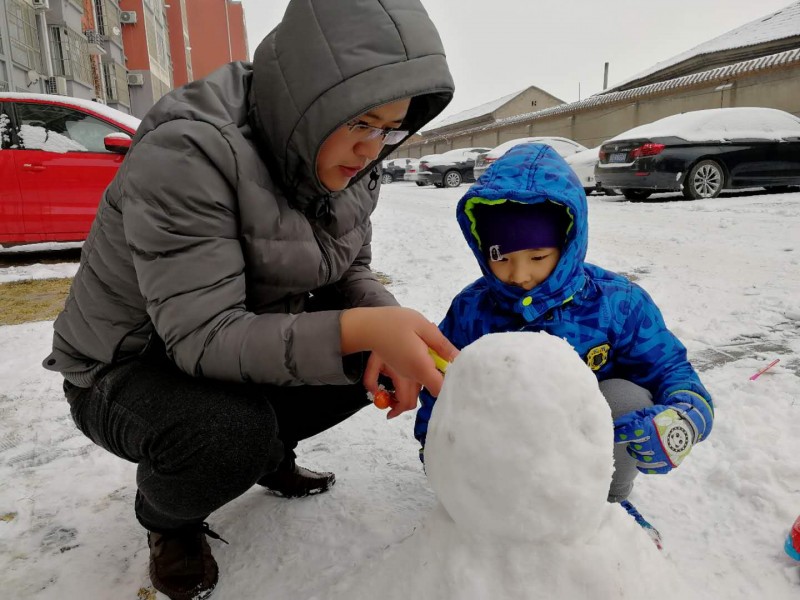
404, 392
401, 338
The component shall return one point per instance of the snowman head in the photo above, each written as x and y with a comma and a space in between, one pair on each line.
520, 441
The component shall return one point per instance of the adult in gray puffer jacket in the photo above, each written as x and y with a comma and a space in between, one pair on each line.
224, 305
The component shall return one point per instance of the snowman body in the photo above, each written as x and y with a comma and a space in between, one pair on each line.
520, 455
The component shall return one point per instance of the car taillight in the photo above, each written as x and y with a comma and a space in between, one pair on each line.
423, 166
489, 160
602, 156
646, 150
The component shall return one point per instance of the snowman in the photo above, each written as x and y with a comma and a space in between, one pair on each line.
519, 454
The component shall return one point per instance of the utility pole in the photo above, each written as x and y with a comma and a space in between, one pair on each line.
605, 77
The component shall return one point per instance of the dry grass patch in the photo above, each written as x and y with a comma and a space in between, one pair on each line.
43, 299
32, 300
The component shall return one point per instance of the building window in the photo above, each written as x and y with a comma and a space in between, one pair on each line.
4, 85
157, 40
107, 18
71, 57
24, 39
115, 79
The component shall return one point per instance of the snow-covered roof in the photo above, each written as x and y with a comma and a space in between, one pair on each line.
101, 109
721, 124
779, 25
473, 113
719, 74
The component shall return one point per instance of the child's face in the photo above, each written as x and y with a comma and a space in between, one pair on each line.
526, 268
350, 148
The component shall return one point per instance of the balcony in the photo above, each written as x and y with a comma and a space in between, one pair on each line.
96, 42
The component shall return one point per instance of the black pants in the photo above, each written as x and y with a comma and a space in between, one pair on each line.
199, 443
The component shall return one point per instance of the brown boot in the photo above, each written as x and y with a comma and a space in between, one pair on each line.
292, 481
181, 565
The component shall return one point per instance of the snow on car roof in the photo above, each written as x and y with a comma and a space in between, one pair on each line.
590, 155
782, 24
112, 114
500, 150
720, 124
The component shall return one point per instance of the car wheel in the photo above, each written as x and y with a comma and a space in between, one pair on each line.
421, 183
452, 179
588, 191
705, 180
387, 178
636, 194
610, 192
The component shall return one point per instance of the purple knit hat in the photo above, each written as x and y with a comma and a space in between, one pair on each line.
512, 226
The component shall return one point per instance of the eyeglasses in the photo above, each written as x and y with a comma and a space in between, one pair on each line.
368, 132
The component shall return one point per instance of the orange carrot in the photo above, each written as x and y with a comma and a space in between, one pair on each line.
383, 399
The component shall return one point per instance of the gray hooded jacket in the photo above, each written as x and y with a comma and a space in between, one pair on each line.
216, 228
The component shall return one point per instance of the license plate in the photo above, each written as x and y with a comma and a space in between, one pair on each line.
618, 157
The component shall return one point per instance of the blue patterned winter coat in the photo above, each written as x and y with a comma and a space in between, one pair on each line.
612, 323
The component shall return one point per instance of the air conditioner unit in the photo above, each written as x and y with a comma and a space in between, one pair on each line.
56, 85
135, 79
128, 16
41, 4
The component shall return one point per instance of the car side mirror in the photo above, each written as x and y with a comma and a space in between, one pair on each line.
118, 143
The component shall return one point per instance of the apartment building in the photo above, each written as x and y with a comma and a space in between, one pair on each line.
67, 47
219, 24
124, 53
180, 45
145, 36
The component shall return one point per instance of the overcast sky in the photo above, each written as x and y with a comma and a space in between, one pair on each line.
496, 47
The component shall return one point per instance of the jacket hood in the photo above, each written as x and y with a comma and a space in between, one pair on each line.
328, 62
532, 174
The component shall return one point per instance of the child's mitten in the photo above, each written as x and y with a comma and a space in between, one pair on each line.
659, 437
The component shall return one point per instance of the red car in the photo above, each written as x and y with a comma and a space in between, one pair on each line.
57, 155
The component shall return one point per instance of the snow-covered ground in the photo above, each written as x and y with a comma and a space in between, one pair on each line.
726, 273
19, 263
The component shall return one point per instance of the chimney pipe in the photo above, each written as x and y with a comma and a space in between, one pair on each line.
605, 77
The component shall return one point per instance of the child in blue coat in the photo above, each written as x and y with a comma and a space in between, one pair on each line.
525, 220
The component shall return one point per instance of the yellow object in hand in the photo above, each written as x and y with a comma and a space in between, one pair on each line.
441, 364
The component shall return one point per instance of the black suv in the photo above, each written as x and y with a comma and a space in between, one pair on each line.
393, 170
451, 168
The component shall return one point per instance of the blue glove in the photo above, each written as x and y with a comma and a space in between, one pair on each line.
696, 408
661, 436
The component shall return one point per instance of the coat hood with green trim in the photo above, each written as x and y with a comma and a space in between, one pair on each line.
532, 174
330, 61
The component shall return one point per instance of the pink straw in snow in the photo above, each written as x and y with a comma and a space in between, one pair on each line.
765, 369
